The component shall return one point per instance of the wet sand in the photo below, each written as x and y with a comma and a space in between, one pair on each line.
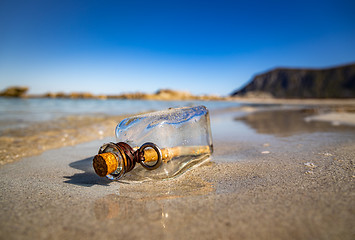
272, 176
18, 143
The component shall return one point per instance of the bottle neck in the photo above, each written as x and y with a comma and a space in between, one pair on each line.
116, 159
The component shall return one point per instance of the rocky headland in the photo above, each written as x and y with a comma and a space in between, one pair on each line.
336, 82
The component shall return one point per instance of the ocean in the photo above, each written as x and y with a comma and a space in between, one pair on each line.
19, 113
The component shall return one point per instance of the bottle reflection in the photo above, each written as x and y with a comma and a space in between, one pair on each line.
157, 206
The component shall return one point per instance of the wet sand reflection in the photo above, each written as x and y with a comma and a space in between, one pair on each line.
149, 202
284, 123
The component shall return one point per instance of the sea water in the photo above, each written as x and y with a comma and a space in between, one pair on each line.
18, 112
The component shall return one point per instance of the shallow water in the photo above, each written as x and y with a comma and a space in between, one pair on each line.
31, 126
18, 112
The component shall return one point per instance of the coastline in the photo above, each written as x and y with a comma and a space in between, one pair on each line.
258, 185
75, 129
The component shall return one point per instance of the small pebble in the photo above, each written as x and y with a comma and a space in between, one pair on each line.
265, 152
309, 164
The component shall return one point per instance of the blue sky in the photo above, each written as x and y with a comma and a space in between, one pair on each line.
205, 47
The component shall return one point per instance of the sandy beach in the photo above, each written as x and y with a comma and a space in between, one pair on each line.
277, 172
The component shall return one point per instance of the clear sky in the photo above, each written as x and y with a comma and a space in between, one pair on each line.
205, 47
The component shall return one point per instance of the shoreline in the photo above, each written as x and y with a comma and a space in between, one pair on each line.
175, 95
288, 101
72, 130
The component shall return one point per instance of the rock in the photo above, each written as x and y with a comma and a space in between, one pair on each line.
81, 95
136, 95
337, 82
15, 91
55, 95
168, 94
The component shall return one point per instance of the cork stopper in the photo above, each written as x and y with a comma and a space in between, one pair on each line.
105, 163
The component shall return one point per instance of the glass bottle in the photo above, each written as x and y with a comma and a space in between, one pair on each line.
165, 143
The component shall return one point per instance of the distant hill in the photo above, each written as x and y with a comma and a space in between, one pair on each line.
337, 82
162, 94
15, 91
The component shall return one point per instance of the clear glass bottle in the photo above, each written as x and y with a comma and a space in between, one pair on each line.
165, 143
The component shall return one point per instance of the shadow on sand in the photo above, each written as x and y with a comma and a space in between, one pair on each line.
88, 178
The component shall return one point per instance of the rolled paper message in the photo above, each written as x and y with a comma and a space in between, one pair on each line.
107, 163
170, 153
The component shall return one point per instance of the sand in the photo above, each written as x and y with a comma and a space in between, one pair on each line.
272, 176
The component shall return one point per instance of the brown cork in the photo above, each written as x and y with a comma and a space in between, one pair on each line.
105, 163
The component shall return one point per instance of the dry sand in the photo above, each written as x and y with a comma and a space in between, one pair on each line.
272, 176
